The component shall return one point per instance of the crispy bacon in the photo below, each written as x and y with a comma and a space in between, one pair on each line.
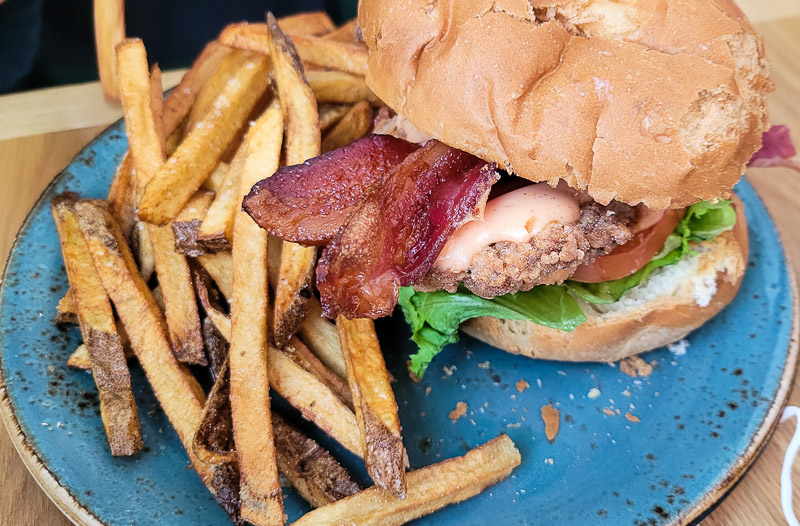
776, 150
394, 235
308, 203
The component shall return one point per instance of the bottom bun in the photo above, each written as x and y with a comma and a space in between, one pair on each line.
672, 302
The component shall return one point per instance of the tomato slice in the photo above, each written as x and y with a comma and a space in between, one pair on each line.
633, 255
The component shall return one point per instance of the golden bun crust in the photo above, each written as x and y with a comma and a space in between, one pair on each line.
654, 101
638, 326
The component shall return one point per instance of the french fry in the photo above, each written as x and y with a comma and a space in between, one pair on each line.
147, 150
330, 114
180, 306
314, 400
199, 153
103, 344
66, 312
354, 125
121, 196
143, 248
344, 33
187, 223
429, 489
216, 231
180, 100
157, 105
312, 470
374, 403
314, 23
309, 395
212, 442
302, 356
322, 339
316, 475
302, 142
180, 395
109, 30
79, 359
340, 87
261, 498
214, 86
350, 57
216, 178
220, 267
216, 347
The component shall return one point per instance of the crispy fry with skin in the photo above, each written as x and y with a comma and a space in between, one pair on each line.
103, 343
429, 489
315, 400
66, 312
322, 338
312, 470
199, 153
302, 356
350, 57
121, 196
308, 394
214, 85
136, 94
216, 347
345, 32
187, 223
180, 100
180, 395
180, 307
79, 359
157, 104
316, 475
261, 496
212, 441
176, 107
354, 125
220, 267
147, 150
109, 30
374, 402
340, 87
314, 23
317, 333
302, 142
216, 231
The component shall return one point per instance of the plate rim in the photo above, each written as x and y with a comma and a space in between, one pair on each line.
66, 502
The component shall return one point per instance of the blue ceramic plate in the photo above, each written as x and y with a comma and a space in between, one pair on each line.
702, 415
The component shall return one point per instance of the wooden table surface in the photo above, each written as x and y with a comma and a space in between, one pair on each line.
41, 131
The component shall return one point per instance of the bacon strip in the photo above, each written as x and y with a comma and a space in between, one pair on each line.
308, 203
394, 236
776, 150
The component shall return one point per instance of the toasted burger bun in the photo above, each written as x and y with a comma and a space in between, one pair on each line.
673, 301
654, 101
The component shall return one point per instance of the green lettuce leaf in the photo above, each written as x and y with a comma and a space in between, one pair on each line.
434, 317
703, 221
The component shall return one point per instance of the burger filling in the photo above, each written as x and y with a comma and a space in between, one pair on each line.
436, 230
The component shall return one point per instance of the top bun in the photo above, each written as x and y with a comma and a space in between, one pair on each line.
660, 102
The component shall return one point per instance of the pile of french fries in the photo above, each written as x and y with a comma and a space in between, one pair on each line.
170, 270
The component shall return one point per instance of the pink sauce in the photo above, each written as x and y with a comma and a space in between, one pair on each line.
516, 216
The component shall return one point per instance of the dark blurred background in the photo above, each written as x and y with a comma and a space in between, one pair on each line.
51, 42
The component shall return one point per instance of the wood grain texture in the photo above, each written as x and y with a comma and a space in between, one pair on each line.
30, 163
